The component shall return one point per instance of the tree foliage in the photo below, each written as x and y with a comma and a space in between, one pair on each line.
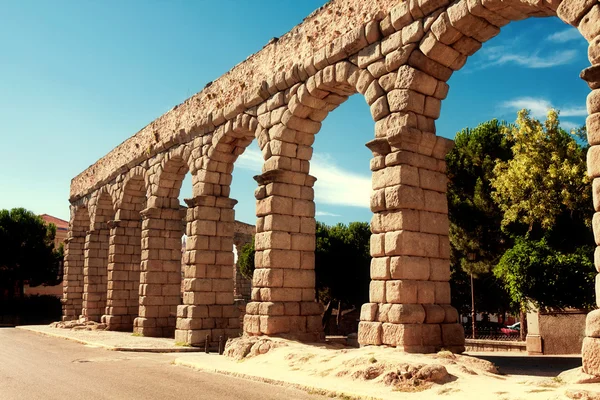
545, 177
246, 260
534, 272
27, 253
519, 199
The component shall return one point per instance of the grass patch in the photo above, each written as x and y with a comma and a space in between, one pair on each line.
137, 334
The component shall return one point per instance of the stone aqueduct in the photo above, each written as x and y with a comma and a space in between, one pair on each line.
123, 257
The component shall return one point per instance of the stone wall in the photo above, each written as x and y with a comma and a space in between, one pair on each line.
398, 55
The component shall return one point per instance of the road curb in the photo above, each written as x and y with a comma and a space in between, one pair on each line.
113, 348
277, 382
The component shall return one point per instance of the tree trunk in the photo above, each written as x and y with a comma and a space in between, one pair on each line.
338, 316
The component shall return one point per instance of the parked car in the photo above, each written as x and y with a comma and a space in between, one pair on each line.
512, 330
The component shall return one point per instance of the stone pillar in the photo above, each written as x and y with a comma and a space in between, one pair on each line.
208, 307
122, 301
410, 270
95, 273
73, 273
160, 277
283, 294
591, 343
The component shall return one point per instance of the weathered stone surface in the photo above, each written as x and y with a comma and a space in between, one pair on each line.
572, 11
589, 355
590, 23
592, 324
370, 333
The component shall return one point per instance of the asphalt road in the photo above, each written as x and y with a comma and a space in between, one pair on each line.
38, 367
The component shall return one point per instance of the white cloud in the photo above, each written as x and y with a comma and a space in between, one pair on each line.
334, 185
539, 107
566, 35
568, 125
501, 55
326, 214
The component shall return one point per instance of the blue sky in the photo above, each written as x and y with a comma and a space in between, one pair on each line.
78, 78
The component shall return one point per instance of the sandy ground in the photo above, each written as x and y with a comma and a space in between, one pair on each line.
335, 370
351, 373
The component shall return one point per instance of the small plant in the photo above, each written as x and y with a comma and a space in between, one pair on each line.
137, 334
372, 360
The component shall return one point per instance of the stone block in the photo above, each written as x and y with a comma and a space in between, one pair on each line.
436, 223
311, 308
396, 220
400, 16
270, 325
451, 314
370, 333
594, 51
270, 308
401, 292
440, 270
395, 175
368, 312
467, 46
592, 324
593, 128
380, 268
590, 356
426, 292
432, 335
435, 202
404, 196
413, 32
453, 334
407, 243
280, 294
377, 246
406, 314
572, 11
402, 334
409, 267
382, 312
377, 291
593, 102
268, 277
434, 314
406, 100
438, 51
590, 23
413, 79
302, 278
442, 292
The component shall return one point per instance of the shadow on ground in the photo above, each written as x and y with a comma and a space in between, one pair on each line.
532, 365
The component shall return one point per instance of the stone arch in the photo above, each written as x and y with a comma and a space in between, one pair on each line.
122, 304
452, 33
97, 242
208, 308
79, 224
415, 275
161, 249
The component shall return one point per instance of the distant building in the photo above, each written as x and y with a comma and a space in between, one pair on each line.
62, 228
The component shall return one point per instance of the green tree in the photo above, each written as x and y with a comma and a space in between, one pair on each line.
545, 178
536, 273
544, 194
476, 238
246, 260
27, 253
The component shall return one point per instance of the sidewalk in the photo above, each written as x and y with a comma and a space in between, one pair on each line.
110, 340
